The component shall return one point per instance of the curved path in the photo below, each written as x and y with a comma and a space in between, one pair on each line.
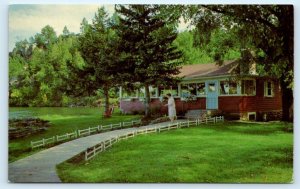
41, 167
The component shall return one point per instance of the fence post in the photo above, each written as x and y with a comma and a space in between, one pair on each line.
120, 124
85, 157
103, 143
188, 123
94, 150
78, 131
89, 130
214, 119
206, 120
57, 138
111, 126
44, 142
53, 139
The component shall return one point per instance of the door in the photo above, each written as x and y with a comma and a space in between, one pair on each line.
212, 95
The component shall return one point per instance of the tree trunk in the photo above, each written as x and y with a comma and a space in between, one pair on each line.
106, 99
287, 102
147, 101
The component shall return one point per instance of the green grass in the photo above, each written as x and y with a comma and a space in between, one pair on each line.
63, 120
222, 153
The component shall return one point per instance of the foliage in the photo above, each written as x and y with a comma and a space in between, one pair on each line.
98, 43
221, 153
222, 44
147, 53
191, 53
267, 30
42, 78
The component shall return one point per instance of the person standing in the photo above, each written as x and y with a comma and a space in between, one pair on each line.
171, 107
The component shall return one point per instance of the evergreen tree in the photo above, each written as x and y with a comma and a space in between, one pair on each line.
148, 54
98, 46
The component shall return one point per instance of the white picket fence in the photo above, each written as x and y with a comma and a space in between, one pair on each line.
91, 130
80, 133
93, 151
66, 136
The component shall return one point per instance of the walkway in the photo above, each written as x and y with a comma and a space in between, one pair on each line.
41, 167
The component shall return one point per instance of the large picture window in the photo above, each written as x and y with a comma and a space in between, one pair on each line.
228, 88
163, 91
192, 89
248, 87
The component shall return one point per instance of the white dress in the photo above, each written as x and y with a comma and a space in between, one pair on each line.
171, 108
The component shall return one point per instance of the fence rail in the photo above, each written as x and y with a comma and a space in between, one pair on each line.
86, 132
43, 142
80, 133
92, 152
66, 136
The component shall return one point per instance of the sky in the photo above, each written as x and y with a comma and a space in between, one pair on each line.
27, 20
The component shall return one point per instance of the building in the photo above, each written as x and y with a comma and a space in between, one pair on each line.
247, 96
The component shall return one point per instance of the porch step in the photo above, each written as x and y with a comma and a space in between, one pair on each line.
195, 114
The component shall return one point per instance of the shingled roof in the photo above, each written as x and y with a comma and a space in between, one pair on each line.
207, 70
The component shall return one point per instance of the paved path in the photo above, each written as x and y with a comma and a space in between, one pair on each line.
41, 167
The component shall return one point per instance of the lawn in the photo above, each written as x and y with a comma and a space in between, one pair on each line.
63, 120
221, 153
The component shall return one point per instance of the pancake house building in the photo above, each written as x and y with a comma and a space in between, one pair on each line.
215, 88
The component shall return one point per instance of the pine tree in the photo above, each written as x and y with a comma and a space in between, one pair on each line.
97, 42
149, 57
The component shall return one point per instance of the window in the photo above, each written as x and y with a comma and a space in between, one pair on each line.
163, 91
153, 92
252, 116
269, 88
129, 94
188, 90
200, 89
227, 88
192, 89
248, 87
211, 87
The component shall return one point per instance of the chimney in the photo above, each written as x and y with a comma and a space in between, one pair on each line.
248, 64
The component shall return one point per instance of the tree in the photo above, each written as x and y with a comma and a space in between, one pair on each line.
267, 29
148, 55
195, 52
23, 48
98, 43
46, 38
42, 79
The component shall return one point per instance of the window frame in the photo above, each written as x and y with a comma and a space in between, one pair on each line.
266, 89
197, 92
237, 88
254, 82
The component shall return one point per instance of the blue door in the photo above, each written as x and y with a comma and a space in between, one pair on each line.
212, 95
